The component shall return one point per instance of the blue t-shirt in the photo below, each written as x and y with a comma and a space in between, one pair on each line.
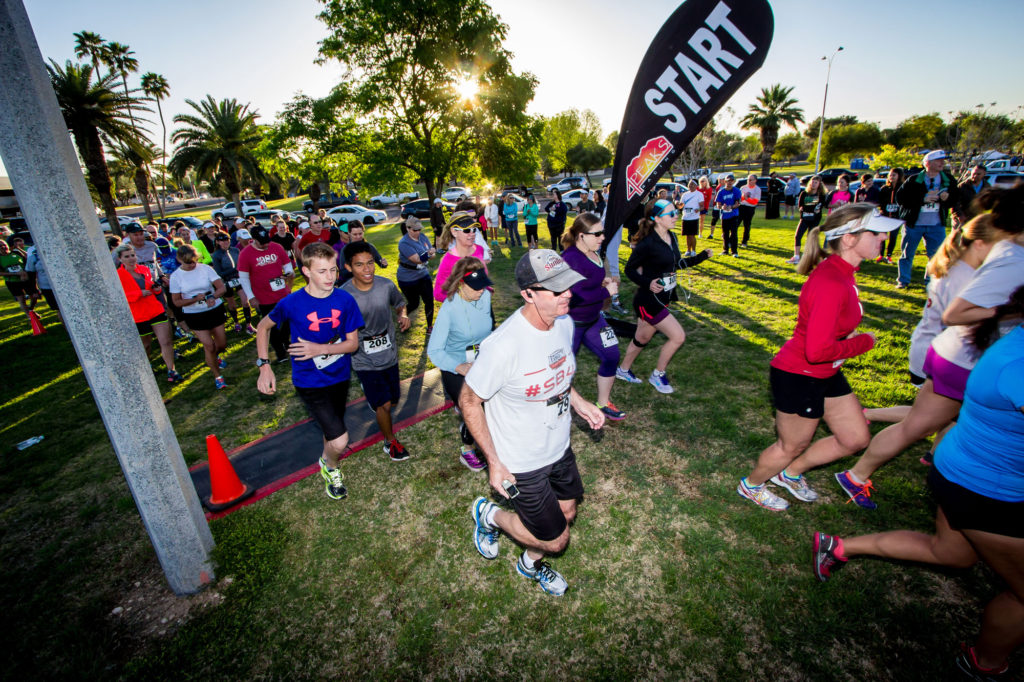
730, 199
320, 320
511, 211
984, 452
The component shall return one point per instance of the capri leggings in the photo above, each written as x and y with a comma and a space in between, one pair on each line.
601, 343
803, 226
420, 289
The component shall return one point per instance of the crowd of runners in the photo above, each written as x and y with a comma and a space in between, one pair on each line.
512, 380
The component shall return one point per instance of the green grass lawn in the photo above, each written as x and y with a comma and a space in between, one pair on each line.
672, 575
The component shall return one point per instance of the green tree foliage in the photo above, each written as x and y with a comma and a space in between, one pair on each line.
588, 157
891, 157
843, 141
811, 132
92, 46
919, 132
156, 87
973, 132
406, 64
612, 143
563, 131
773, 109
95, 113
789, 146
218, 142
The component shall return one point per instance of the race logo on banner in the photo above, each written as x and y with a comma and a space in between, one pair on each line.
703, 53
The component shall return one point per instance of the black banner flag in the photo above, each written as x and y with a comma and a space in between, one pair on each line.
700, 57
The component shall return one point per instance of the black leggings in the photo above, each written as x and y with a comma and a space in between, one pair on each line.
556, 236
730, 234
531, 234
415, 291
805, 225
746, 215
279, 334
893, 236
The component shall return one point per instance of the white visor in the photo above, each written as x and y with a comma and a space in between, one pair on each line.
873, 222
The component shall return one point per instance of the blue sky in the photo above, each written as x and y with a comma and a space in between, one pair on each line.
900, 58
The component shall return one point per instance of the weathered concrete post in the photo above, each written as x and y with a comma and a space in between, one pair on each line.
46, 175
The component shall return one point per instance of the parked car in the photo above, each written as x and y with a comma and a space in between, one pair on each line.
1004, 179
168, 223
122, 220
830, 176
519, 201
249, 206
330, 200
349, 212
521, 190
270, 216
878, 182
421, 208
1012, 165
381, 200
456, 194
572, 198
572, 182
670, 187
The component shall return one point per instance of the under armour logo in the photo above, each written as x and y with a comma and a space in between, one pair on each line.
315, 322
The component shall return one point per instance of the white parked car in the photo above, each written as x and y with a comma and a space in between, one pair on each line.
572, 182
248, 206
350, 212
384, 199
123, 220
456, 194
572, 198
518, 200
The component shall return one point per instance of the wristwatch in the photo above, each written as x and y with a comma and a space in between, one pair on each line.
262, 361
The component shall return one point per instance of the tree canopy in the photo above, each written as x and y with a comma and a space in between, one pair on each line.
773, 109
430, 87
843, 141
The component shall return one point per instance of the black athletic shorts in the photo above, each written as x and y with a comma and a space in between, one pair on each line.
20, 288
147, 326
452, 382
805, 396
380, 386
326, 405
691, 227
207, 320
968, 510
540, 491
790, 200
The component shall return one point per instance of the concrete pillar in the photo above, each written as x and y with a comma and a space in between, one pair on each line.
45, 172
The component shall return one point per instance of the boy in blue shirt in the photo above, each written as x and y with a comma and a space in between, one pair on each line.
728, 201
323, 323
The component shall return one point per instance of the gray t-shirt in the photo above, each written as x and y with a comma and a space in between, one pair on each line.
409, 247
146, 255
377, 347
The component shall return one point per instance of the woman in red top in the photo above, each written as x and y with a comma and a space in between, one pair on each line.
704, 187
806, 379
147, 310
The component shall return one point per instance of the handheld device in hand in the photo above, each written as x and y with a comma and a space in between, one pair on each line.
511, 489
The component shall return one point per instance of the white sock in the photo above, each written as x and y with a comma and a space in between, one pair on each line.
527, 561
853, 477
489, 516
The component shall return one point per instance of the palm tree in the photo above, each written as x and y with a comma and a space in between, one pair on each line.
137, 159
91, 45
120, 60
156, 86
773, 109
94, 112
218, 143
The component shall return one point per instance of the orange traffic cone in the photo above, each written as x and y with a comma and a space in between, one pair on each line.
37, 326
226, 488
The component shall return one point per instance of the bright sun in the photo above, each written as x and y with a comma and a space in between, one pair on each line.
467, 88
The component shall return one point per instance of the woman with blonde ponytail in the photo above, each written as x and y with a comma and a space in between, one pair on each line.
806, 380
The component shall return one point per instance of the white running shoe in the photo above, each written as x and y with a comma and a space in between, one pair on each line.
799, 487
660, 381
761, 496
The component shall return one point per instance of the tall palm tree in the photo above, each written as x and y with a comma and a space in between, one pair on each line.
92, 46
156, 86
773, 108
217, 142
94, 112
120, 60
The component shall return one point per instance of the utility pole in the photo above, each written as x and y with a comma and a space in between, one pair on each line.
821, 121
46, 176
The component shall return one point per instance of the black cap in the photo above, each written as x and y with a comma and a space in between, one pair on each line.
260, 234
133, 227
477, 280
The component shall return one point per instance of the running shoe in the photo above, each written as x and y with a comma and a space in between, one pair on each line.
761, 496
826, 561
888, 260
550, 580
250, 330
724, 253
612, 412
173, 377
485, 538
469, 458
627, 376
220, 383
967, 662
238, 327
861, 494
901, 285
222, 363
880, 259
798, 486
735, 255
178, 334
396, 451
617, 308
927, 459
660, 381
336, 490
794, 260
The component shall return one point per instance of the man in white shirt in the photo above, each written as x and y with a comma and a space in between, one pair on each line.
524, 373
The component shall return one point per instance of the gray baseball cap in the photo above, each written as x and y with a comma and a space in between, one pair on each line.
545, 269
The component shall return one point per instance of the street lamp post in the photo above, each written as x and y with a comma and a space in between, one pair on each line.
821, 122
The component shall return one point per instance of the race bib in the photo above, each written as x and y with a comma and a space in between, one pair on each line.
277, 284
14, 269
551, 214
376, 344
668, 281
689, 213
233, 283
471, 352
560, 406
892, 208
322, 361
930, 207
805, 214
838, 363
608, 338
